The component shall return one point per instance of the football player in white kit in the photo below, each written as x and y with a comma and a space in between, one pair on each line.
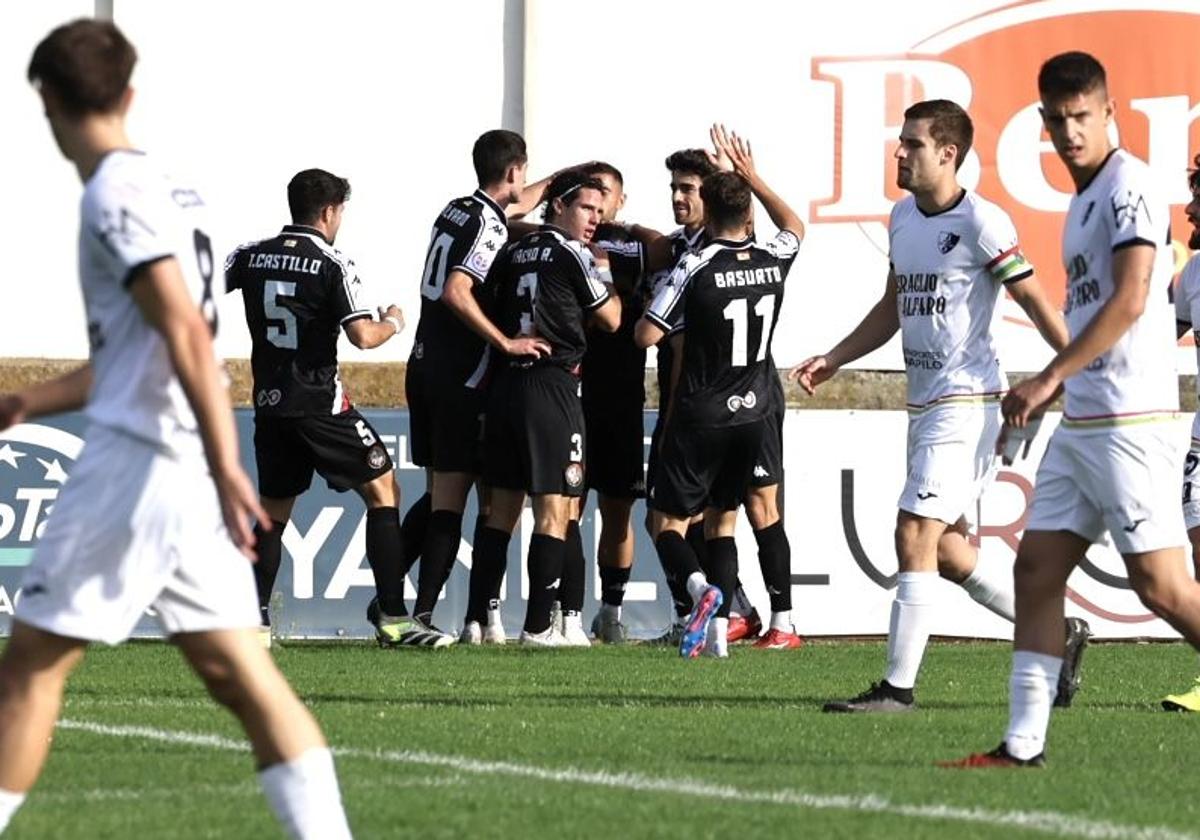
952, 254
140, 523
1113, 463
1187, 317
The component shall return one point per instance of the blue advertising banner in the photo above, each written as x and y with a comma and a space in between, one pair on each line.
324, 583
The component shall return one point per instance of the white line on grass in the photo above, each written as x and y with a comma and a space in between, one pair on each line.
1046, 822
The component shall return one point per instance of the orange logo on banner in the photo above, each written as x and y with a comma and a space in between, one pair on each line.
989, 64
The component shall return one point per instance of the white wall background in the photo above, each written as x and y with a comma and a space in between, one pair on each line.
243, 94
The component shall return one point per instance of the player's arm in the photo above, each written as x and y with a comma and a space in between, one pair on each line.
664, 315
660, 253
1049, 322
162, 297
1132, 271
68, 392
607, 315
366, 333
458, 294
737, 149
874, 331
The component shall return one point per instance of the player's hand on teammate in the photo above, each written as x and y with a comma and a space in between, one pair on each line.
733, 152
812, 372
527, 345
1028, 399
12, 410
240, 505
392, 311
601, 256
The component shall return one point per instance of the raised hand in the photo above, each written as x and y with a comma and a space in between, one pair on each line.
719, 156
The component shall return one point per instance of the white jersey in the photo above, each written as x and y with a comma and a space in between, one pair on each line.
1187, 313
1136, 380
133, 214
949, 269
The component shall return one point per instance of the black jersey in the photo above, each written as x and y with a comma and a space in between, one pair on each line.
726, 299
467, 236
298, 291
681, 243
614, 367
547, 284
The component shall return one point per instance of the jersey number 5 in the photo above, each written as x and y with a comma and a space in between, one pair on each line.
283, 333
736, 311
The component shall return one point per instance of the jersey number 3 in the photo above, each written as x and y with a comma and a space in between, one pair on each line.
737, 311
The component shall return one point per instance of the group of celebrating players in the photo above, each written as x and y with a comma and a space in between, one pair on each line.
526, 373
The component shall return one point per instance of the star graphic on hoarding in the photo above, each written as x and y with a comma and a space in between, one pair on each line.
9, 456
54, 470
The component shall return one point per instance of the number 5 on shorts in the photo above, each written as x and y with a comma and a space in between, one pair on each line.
364, 433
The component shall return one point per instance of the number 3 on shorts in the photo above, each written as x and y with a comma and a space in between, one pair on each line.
576, 447
364, 433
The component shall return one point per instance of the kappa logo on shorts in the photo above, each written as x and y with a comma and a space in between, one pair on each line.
761, 472
376, 457
265, 398
735, 403
947, 241
573, 474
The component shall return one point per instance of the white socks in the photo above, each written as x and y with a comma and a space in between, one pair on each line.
990, 591
782, 621
9, 803
304, 795
696, 584
908, 632
1032, 688
717, 641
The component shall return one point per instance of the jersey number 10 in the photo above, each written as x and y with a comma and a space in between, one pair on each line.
737, 311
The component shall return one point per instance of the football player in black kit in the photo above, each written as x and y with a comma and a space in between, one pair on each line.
448, 368
299, 292
548, 284
614, 397
688, 168
725, 298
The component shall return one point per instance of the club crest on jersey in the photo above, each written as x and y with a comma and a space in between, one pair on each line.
479, 261
265, 398
737, 402
947, 241
573, 474
376, 457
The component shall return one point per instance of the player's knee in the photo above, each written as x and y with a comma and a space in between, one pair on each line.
381, 491
221, 680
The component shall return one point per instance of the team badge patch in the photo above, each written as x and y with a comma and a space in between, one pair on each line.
479, 261
376, 457
947, 241
574, 474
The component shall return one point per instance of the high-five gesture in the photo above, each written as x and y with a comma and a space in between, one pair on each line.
733, 149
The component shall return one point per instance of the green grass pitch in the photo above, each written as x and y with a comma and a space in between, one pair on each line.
626, 743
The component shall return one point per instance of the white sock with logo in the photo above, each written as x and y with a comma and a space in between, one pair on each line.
782, 621
992, 591
305, 797
696, 584
9, 803
908, 633
1032, 687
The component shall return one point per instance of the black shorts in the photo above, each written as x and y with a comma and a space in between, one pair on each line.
534, 432
616, 449
705, 467
445, 422
768, 469
343, 448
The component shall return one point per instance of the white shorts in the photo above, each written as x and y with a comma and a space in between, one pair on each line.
1122, 480
133, 529
1191, 479
951, 460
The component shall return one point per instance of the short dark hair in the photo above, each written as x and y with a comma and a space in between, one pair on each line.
494, 152
311, 191
1071, 74
690, 162
726, 197
86, 63
948, 124
1194, 175
598, 167
566, 186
